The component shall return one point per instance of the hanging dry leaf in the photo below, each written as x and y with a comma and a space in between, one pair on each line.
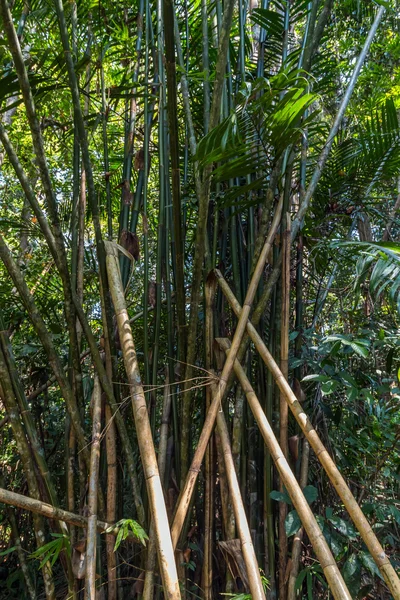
234, 558
78, 559
293, 443
130, 242
139, 160
127, 196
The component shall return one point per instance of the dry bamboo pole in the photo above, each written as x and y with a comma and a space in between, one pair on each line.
112, 477
90, 575
207, 574
148, 589
249, 556
283, 407
184, 500
296, 547
143, 429
59, 514
322, 550
355, 512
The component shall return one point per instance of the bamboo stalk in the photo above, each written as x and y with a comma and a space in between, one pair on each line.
148, 590
283, 407
321, 548
52, 512
143, 430
297, 540
355, 512
92, 196
111, 450
336, 125
253, 572
111, 458
207, 571
90, 575
184, 500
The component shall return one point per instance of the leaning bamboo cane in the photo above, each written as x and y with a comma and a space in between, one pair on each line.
186, 494
143, 429
148, 589
355, 512
324, 555
90, 577
53, 512
249, 556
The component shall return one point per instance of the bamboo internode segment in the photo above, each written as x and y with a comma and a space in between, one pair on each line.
143, 429
322, 550
53, 512
91, 546
355, 512
249, 556
194, 470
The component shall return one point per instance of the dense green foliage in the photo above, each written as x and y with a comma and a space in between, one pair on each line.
287, 70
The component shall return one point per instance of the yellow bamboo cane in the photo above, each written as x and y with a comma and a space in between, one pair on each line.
143, 429
249, 556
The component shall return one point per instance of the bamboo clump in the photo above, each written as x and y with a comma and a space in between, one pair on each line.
186, 494
324, 555
355, 512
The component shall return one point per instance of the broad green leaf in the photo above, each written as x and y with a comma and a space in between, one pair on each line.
292, 523
311, 493
280, 497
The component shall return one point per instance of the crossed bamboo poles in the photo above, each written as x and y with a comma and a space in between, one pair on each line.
166, 539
